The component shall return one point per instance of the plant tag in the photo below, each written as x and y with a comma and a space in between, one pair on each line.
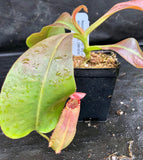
77, 47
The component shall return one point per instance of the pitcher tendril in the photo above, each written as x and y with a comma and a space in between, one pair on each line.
74, 17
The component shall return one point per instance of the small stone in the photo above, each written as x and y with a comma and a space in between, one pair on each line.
138, 127
119, 112
86, 65
114, 158
126, 105
89, 124
123, 74
109, 96
133, 109
121, 102
94, 126
113, 135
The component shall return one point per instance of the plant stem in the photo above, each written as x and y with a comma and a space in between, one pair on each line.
87, 48
92, 48
84, 40
80, 37
94, 25
43, 135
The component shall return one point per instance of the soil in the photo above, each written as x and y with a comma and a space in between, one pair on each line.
98, 59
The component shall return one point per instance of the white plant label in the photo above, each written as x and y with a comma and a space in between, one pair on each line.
77, 47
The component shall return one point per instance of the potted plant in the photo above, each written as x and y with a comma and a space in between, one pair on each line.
41, 80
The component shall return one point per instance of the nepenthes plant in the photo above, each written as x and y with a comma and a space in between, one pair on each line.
36, 89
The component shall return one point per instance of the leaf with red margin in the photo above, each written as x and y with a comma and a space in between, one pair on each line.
129, 49
76, 10
66, 128
64, 21
133, 4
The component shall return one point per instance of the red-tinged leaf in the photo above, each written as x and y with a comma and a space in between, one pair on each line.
74, 17
133, 4
129, 49
77, 95
66, 127
64, 21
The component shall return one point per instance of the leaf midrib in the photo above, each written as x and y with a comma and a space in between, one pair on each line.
44, 81
128, 49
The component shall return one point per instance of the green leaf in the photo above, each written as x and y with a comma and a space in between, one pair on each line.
37, 87
133, 4
129, 49
43, 34
64, 21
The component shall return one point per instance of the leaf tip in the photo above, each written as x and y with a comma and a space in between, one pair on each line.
77, 95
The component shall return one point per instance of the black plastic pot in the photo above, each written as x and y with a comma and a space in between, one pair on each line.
98, 84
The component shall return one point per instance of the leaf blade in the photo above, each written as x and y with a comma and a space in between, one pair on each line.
133, 4
45, 32
20, 92
64, 21
129, 49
